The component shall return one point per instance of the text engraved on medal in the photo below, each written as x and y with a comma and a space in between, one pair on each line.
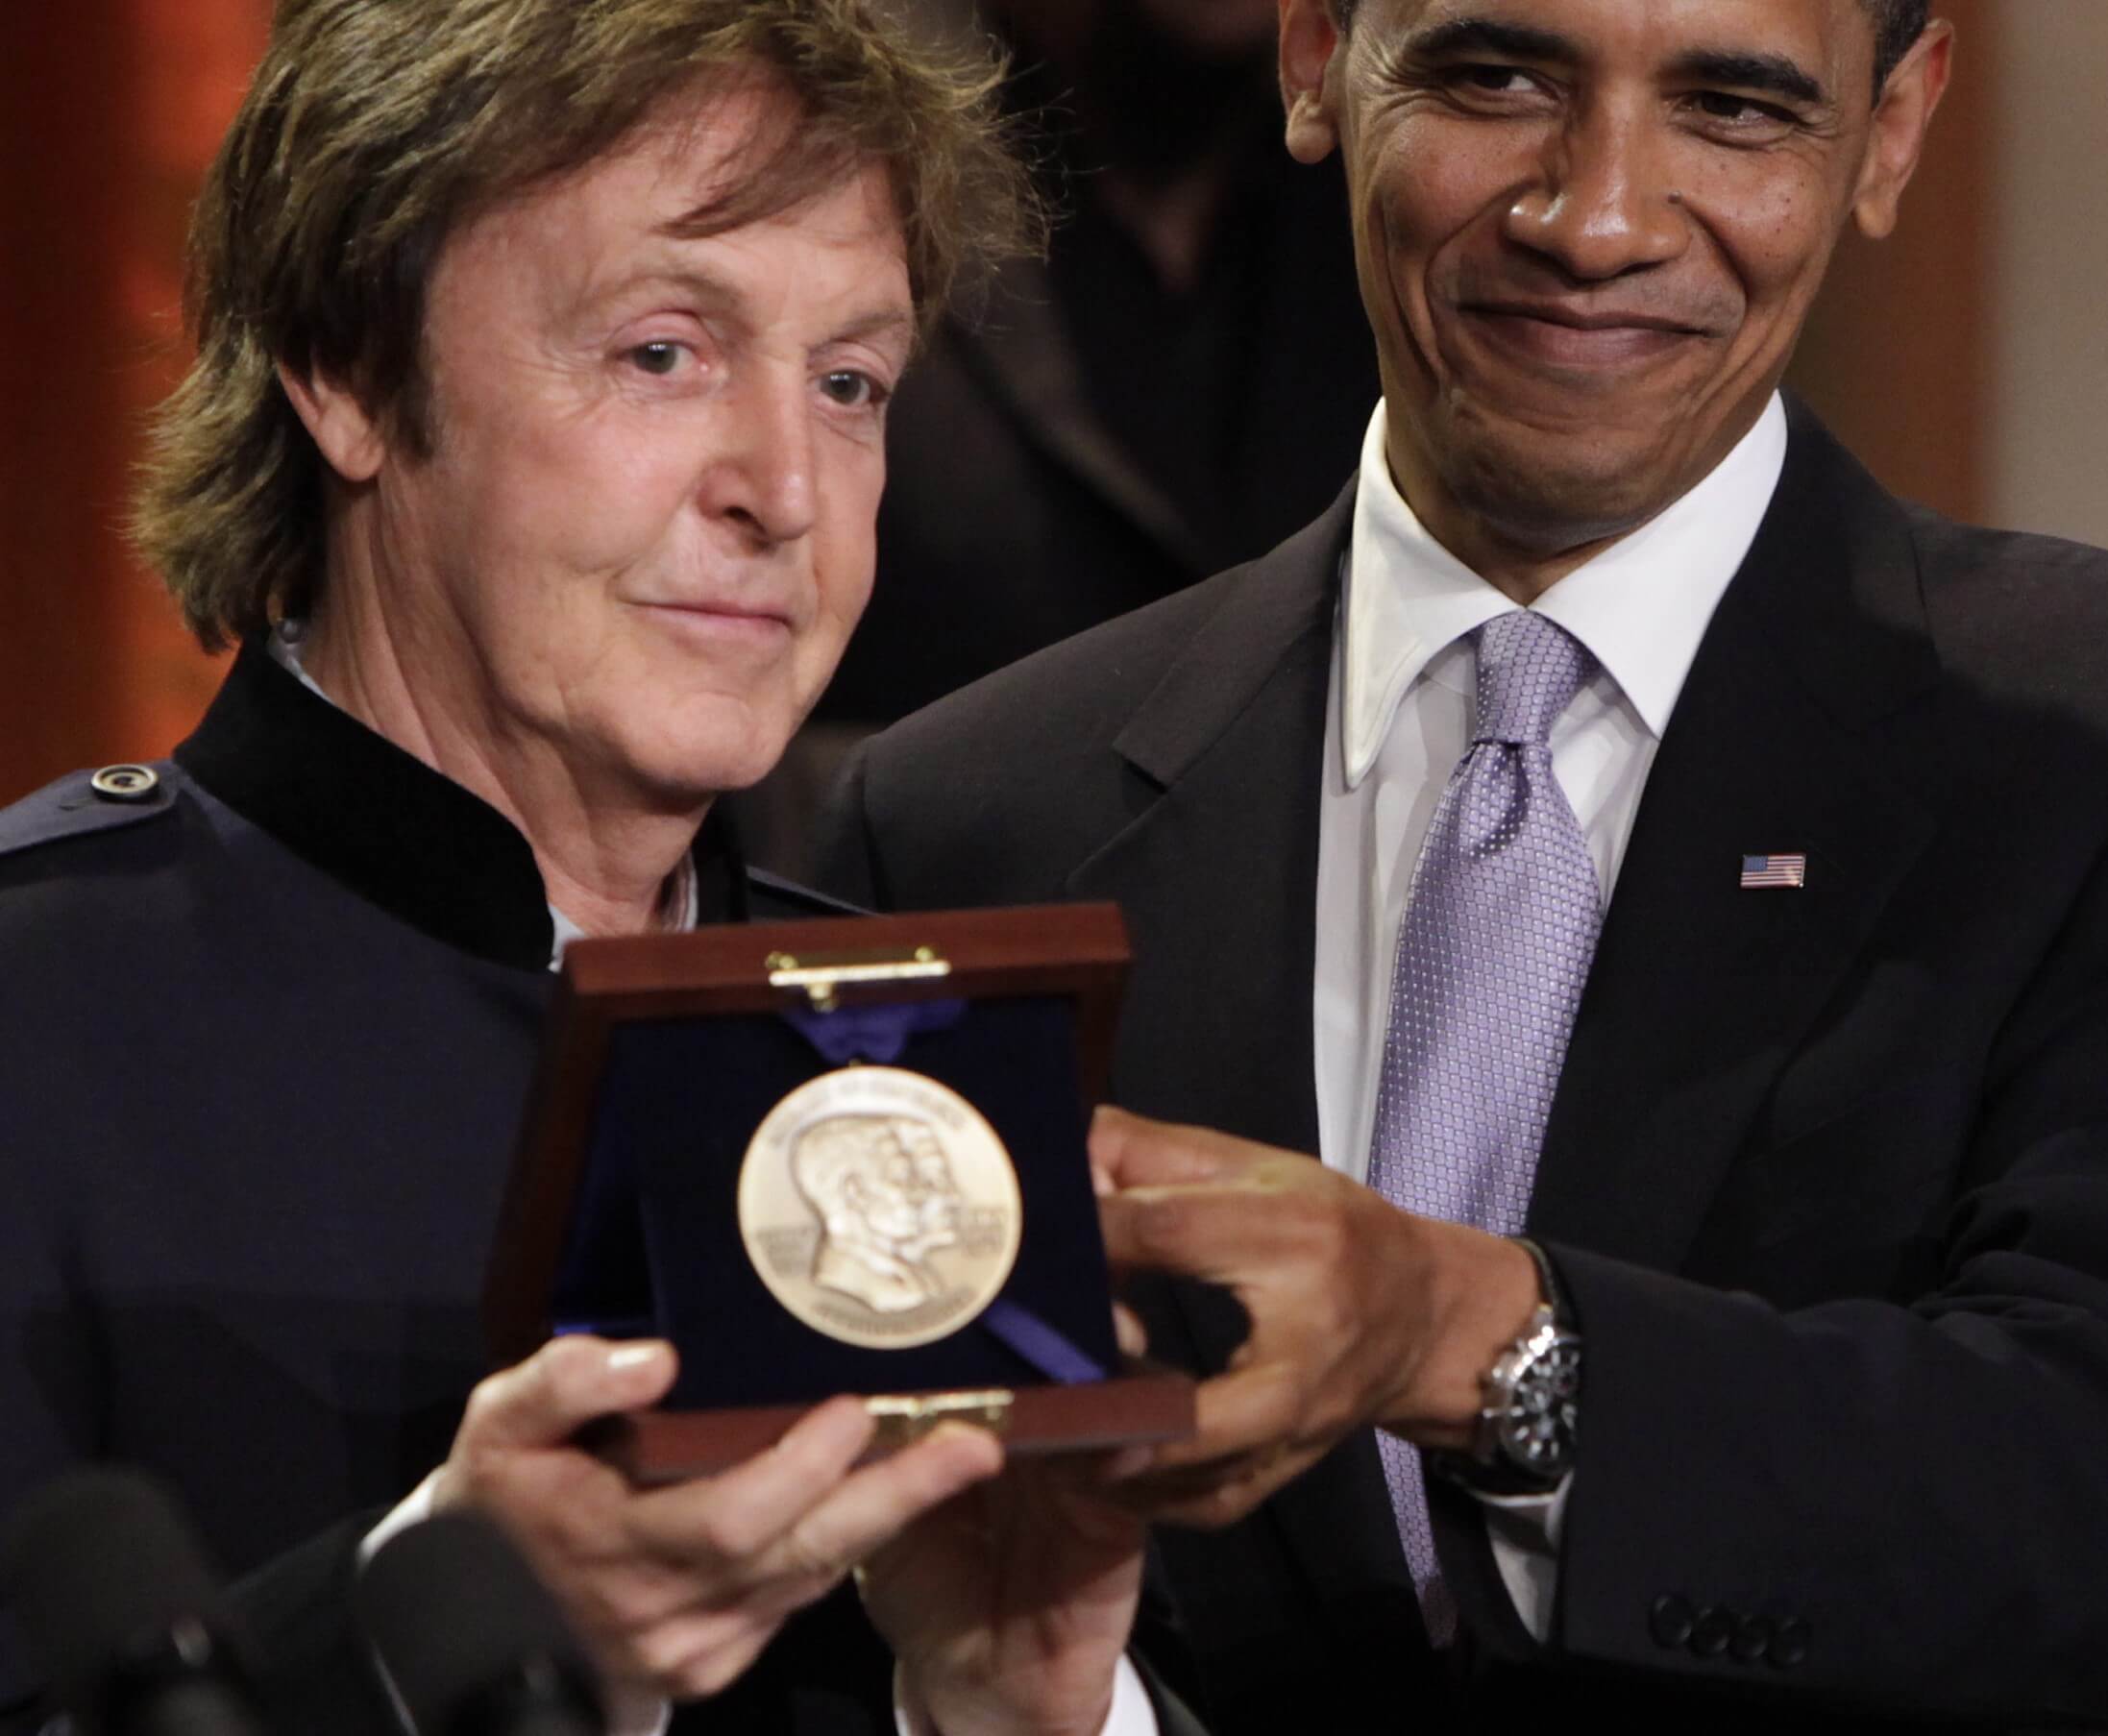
879, 1207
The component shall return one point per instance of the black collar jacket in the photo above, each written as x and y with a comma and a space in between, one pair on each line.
271, 1014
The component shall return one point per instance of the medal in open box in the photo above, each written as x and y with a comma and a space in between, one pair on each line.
880, 1207
833, 1157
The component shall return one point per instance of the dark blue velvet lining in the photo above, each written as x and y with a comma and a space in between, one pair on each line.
680, 1101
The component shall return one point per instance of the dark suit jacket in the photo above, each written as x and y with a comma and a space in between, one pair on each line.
1828, 1171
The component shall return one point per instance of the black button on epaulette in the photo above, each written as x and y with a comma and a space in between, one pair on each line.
125, 783
1671, 1620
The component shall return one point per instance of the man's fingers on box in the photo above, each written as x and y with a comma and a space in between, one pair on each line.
546, 1400
1129, 1331
1220, 1234
881, 1500
740, 1512
1132, 1150
1255, 1409
1208, 1495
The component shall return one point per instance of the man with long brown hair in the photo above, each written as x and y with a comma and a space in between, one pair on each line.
530, 456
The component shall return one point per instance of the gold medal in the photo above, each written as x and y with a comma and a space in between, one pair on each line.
879, 1207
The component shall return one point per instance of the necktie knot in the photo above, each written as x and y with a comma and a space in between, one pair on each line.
1529, 669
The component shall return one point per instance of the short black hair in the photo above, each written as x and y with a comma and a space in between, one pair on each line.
1897, 24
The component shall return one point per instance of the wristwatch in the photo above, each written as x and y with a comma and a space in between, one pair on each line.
1525, 1439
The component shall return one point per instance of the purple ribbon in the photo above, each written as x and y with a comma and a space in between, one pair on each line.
875, 1034
1039, 1344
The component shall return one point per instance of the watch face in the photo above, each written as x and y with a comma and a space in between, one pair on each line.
1537, 1427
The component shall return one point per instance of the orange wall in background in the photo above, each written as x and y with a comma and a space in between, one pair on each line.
110, 111
1897, 356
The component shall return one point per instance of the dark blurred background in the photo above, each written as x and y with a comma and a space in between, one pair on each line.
1184, 382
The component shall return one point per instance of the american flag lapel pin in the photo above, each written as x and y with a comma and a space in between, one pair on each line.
1762, 871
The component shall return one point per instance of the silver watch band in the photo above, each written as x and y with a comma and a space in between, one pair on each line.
1524, 1441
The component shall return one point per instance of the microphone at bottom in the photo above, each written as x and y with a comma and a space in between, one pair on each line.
470, 1641
109, 1588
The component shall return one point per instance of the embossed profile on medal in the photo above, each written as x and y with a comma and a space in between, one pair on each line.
879, 1207
884, 1193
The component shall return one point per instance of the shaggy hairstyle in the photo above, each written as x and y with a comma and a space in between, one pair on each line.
376, 129
1897, 24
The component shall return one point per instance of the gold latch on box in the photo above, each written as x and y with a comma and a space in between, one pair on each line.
821, 974
905, 1418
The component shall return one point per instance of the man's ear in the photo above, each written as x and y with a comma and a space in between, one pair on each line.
1901, 118
1311, 41
349, 440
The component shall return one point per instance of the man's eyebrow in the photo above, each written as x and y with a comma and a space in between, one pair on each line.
1773, 74
882, 323
1488, 36
731, 302
711, 291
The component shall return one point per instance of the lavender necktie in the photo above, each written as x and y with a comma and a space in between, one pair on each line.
1492, 954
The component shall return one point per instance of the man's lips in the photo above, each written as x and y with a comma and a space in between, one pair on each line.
1569, 336
728, 619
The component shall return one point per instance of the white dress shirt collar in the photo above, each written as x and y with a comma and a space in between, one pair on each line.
1641, 605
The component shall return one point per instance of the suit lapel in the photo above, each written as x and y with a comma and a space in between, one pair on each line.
1805, 726
1219, 873
1218, 878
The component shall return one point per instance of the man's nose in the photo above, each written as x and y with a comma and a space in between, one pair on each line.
1605, 202
760, 478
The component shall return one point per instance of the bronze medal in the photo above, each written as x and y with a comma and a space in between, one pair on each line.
880, 1207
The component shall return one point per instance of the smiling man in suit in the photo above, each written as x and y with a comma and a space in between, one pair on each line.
1661, 877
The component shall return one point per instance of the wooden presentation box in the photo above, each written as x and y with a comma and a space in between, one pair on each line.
772, 1144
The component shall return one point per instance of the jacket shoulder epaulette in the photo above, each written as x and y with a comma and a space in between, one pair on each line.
84, 803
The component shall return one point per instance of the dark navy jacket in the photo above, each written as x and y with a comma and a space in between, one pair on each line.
264, 1040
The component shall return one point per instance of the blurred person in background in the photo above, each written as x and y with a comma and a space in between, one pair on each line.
1176, 388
